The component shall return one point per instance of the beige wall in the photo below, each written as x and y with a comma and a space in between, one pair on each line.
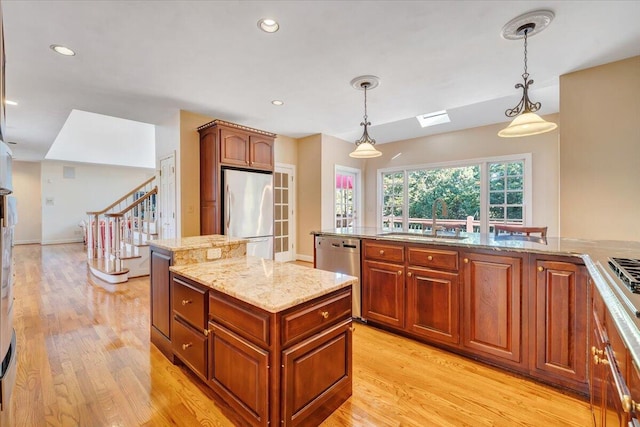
335, 152
308, 192
285, 150
28, 192
481, 142
190, 172
599, 152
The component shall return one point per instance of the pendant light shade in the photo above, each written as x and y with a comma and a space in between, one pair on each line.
365, 145
526, 122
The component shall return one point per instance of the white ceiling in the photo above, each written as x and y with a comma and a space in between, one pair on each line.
144, 60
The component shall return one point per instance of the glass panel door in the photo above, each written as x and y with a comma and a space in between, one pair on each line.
284, 236
345, 199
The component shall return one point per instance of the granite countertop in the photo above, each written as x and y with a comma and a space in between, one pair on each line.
270, 285
623, 304
197, 242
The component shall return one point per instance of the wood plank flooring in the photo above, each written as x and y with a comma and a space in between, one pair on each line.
84, 359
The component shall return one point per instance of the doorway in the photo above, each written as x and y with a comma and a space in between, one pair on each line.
347, 197
284, 205
168, 197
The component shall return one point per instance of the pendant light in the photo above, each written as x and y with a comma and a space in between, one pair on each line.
365, 145
526, 122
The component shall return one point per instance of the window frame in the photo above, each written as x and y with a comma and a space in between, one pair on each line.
526, 158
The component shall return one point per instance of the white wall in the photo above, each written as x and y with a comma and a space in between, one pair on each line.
167, 142
27, 191
65, 201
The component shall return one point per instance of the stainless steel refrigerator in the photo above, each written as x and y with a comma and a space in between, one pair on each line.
7, 333
248, 209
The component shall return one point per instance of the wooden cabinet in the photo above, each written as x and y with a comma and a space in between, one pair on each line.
383, 296
559, 323
492, 307
225, 144
190, 332
160, 294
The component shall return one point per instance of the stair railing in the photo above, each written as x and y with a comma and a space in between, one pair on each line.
105, 227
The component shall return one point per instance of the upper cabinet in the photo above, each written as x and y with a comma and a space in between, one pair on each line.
225, 144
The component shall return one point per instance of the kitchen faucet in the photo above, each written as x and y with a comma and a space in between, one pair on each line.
434, 228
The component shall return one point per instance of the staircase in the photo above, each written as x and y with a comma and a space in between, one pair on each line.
117, 236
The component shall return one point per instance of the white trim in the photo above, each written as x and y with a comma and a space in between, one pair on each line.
293, 230
307, 258
26, 242
484, 184
358, 185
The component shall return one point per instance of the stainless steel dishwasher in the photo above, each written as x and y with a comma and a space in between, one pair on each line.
341, 255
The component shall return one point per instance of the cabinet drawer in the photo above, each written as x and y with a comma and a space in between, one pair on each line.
384, 252
308, 320
190, 346
240, 318
190, 303
434, 258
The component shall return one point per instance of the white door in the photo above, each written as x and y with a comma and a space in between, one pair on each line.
346, 200
284, 219
168, 197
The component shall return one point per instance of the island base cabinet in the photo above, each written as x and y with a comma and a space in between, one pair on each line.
559, 341
492, 308
239, 373
317, 376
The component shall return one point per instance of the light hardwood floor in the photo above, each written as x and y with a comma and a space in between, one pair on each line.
84, 359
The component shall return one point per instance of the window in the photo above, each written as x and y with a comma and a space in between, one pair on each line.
346, 197
477, 194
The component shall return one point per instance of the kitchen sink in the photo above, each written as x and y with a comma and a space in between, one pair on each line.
418, 236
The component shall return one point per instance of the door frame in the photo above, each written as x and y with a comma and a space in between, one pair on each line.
293, 243
357, 182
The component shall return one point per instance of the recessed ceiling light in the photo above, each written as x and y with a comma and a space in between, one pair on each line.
268, 25
62, 50
277, 102
432, 119
8, 102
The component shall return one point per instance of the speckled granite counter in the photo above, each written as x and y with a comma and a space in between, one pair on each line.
621, 302
197, 249
270, 285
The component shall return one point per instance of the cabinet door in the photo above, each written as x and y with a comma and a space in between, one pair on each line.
493, 307
209, 219
160, 292
433, 304
317, 376
383, 293
261, 152
597, 388
234, 148
239, 372
559, 310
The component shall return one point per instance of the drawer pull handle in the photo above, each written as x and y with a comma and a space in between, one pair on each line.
186, 301
381, 252
430, 258
409, 274
186, 346
541, 268
324, 314
466, 260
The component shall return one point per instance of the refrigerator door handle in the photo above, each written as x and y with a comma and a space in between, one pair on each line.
227, 210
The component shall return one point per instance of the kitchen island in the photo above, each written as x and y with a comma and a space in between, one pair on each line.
272, 339
552, 311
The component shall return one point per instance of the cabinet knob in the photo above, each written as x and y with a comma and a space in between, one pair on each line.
207, 332
430, 258
186, 346
600, 360
540, 268
466, 260
381, 252
324, 314
186, 301
595, 351
399, 272
629, 405
409, 274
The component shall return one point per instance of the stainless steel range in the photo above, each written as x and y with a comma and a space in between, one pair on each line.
628, 270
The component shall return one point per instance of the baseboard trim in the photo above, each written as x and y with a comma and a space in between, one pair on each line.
26, 242
60, 241
307, 258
